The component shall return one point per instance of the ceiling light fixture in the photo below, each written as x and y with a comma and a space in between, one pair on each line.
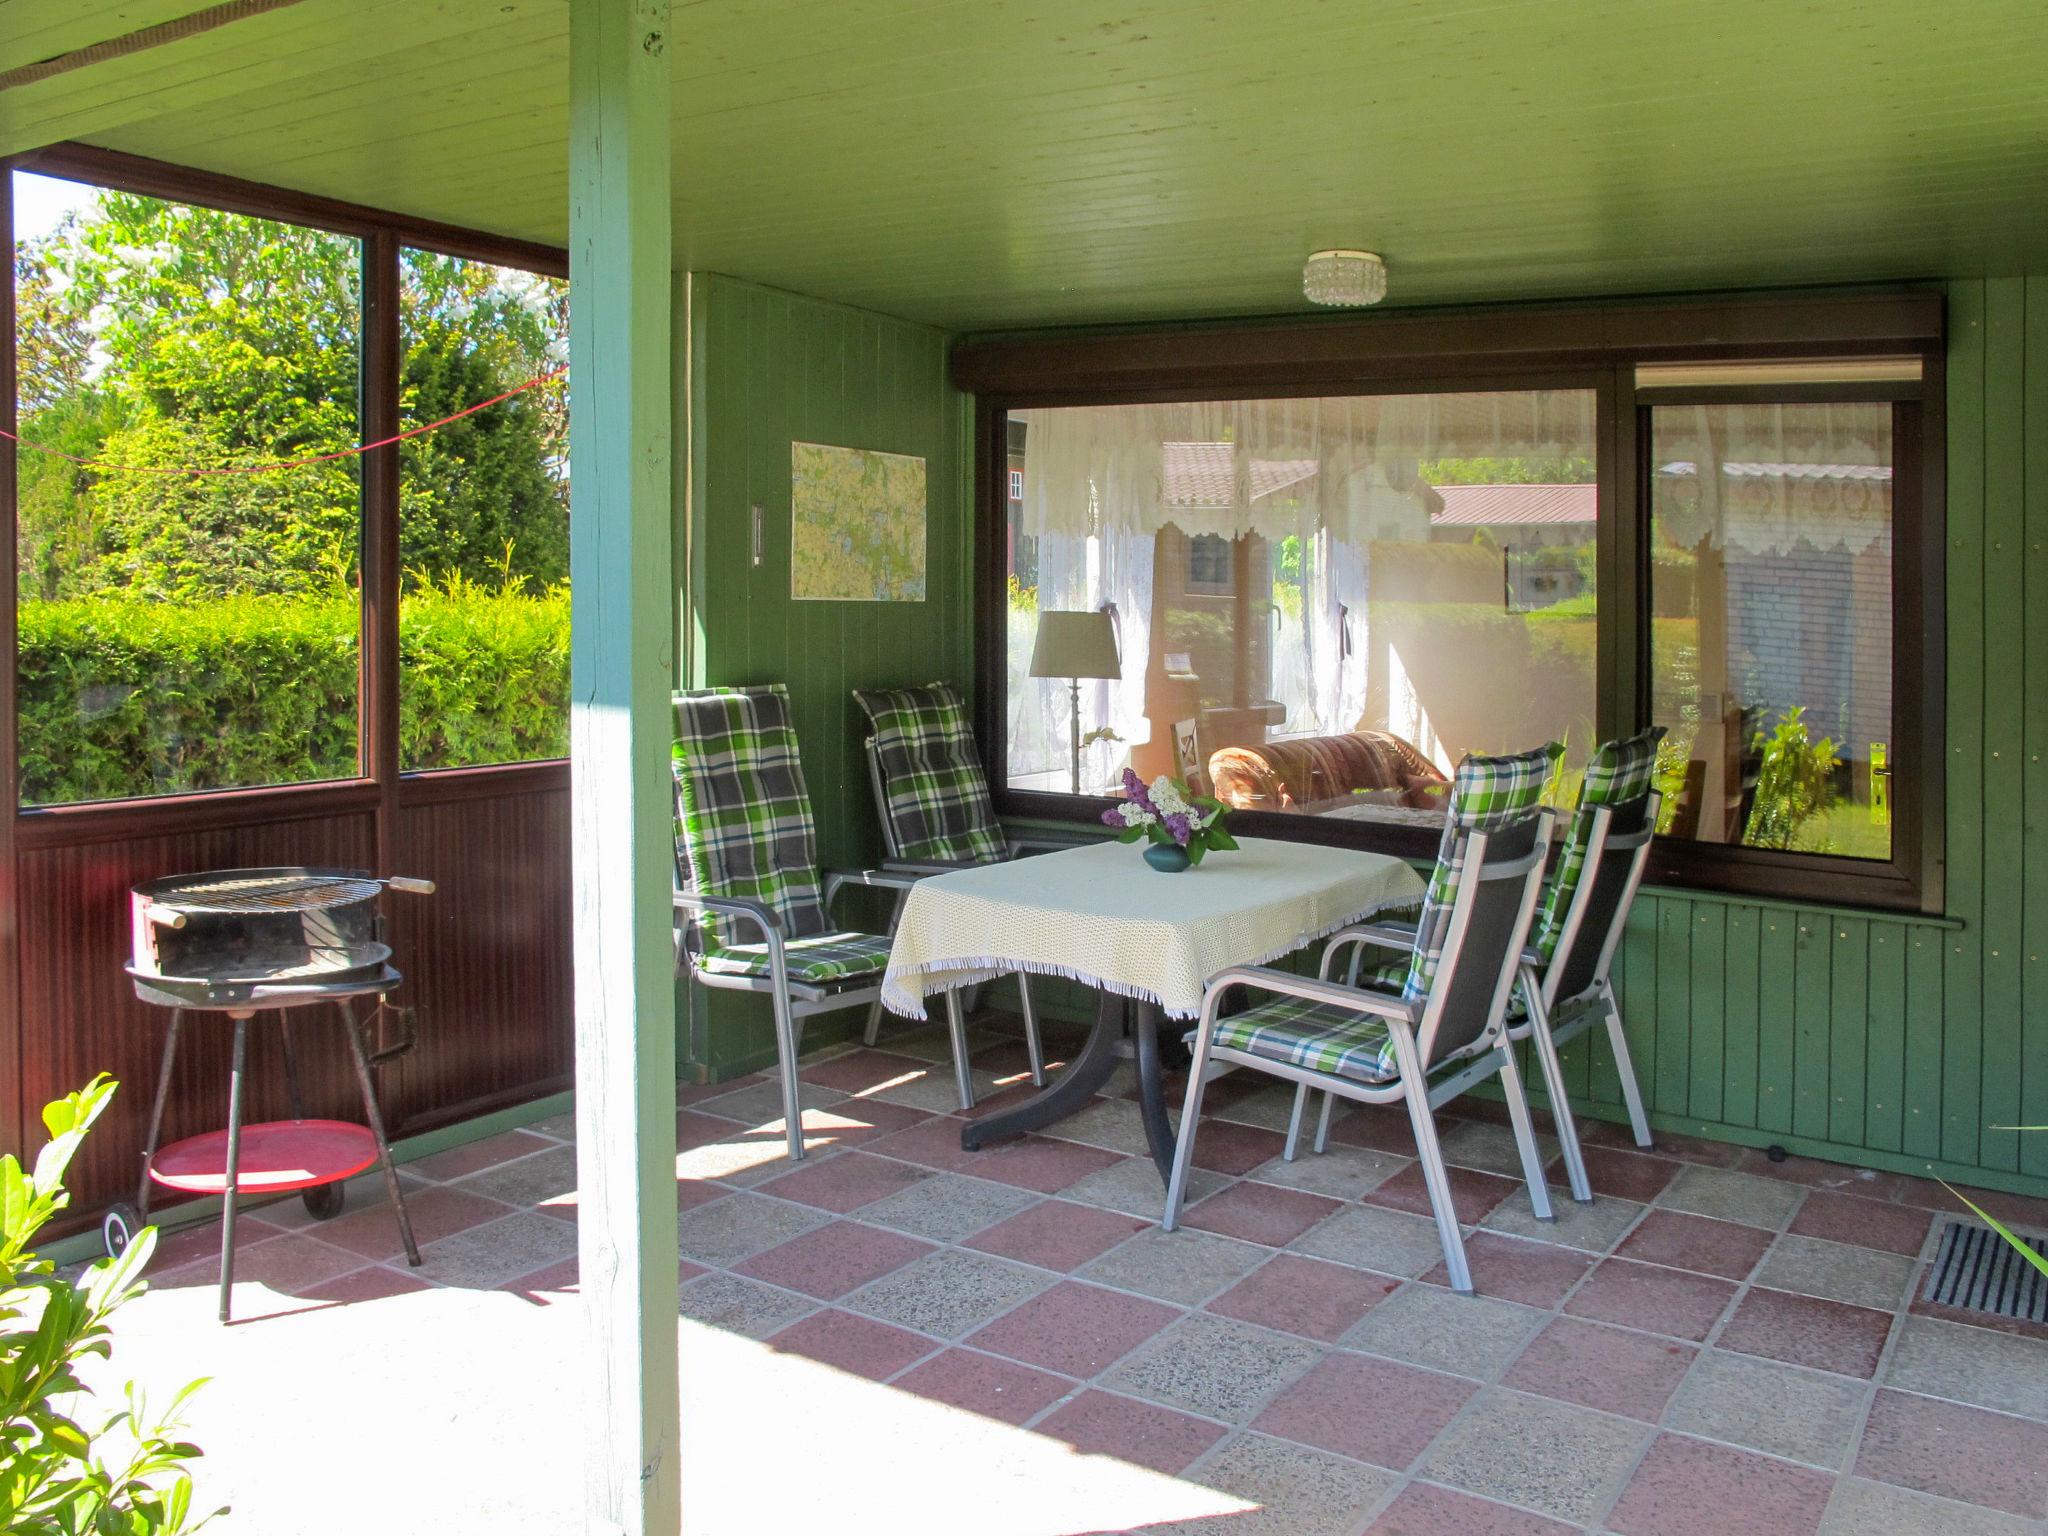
1344, 278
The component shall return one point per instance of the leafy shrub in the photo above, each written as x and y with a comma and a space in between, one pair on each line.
123, 696
56, 1478
1795, 784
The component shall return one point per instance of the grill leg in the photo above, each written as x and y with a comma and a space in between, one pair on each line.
156, 1112
234, 1168
376, 1121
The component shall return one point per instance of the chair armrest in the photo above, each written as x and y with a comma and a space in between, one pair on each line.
1265, 979
1394, 936
885, 879
921, 867
1019, 847
696, 904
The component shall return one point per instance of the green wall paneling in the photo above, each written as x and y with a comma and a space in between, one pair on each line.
769, 368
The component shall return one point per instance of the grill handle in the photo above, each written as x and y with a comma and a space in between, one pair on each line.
163, 917
411, 884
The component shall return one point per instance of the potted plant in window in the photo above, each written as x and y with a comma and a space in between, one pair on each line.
1178, 826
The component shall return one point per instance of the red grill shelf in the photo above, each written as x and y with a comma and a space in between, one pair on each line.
277, 1156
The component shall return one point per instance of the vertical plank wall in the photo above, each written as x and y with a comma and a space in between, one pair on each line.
1841, 1034
768, 368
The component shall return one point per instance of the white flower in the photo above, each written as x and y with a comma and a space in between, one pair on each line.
1167, 797
1133, 815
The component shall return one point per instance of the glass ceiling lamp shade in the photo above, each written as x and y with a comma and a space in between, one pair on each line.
1346, 279
1075, 645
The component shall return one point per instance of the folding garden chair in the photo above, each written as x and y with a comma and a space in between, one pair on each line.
1565, 986
936, 814
1443, 1028
746, 864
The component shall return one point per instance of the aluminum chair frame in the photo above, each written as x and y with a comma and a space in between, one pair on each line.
894, 862
1413, 1027
1540, 984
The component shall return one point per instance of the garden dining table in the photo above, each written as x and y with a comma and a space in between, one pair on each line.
1148, 941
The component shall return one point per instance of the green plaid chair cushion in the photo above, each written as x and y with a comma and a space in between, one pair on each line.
1618, 773
933, 791
1485, 792
743, 816
819, 959
1317, 1036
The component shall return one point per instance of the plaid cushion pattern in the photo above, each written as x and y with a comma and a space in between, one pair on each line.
1619, 772
821, 958
1485, 792
743, 816
1316, 1036
933, 790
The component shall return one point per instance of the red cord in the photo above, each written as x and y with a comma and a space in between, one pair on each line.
318, 458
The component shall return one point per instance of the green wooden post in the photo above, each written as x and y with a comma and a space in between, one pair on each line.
622, 665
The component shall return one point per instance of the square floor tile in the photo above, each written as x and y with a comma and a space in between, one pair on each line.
1862, 1277
759, 1103
1557, 1458
857, 1345
1367, 1408
1145, 1434
1392, 1242
1805, 1330
1184, 1267
475, 1156
1689, 1488
741, 1306
1863, 1508
526, 1181
1262, 1102
831, 1260
1132, 1186
1592, 1228
844, 1183
1465, 1335
436, 1211
995, 1389
1491, 1148
1046, 1165
933, 1092
855, 1123
1649, 1296
1226, 1147
1956, 1452
1686, 1149
1342, 1173
947, 1207
1304, 1296
1078, 1330
1761, 1405
1379, 1127
1473, 1194
1870, 1223
1622, 1175
949, 1292
1514, 1269
1699, 1243
1057, 1234
1115, 1124
726, 1231
376, 1282
1612, 1369
743, 1156
1737, 1197
1979, 1366
1260, 1213
1215, 1367
1423, 1509
1294, 1491
476, 1258
862, 1070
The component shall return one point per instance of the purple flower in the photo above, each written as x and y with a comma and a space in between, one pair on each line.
1114, 817
1134, 791
1179, 826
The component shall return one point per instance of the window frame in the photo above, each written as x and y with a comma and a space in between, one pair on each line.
1584, 346
378, 778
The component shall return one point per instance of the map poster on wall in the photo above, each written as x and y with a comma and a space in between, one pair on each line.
858, 525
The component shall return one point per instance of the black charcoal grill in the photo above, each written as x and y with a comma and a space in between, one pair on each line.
240, 942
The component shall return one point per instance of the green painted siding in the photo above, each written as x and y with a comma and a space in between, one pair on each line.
768, 368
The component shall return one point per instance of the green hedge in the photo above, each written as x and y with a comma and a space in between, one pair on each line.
122, 697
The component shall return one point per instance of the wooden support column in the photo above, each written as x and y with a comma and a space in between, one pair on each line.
622, 668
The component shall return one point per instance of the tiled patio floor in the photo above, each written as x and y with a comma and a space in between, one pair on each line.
899, 1336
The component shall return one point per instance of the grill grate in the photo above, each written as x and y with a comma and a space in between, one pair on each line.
267, 893
1977, 1269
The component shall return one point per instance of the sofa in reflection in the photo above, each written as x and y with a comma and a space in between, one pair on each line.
1319, 773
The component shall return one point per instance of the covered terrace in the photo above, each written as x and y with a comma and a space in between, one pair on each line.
1705, 397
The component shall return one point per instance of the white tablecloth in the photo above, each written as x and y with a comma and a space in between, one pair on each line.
1102, 915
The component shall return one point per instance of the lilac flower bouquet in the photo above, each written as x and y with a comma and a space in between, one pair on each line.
1168, 815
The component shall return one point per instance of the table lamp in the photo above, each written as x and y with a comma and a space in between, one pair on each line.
1074, 646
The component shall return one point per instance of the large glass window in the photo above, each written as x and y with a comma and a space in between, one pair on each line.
188, 615
483, 516
1771, 623
1321, 604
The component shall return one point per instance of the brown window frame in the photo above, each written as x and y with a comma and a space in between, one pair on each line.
378, 778
1579, 346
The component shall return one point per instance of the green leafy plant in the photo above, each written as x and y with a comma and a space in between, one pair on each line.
1796, 783
2019, 1245
57, 1477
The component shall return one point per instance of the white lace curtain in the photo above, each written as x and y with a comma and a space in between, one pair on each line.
1768, 479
